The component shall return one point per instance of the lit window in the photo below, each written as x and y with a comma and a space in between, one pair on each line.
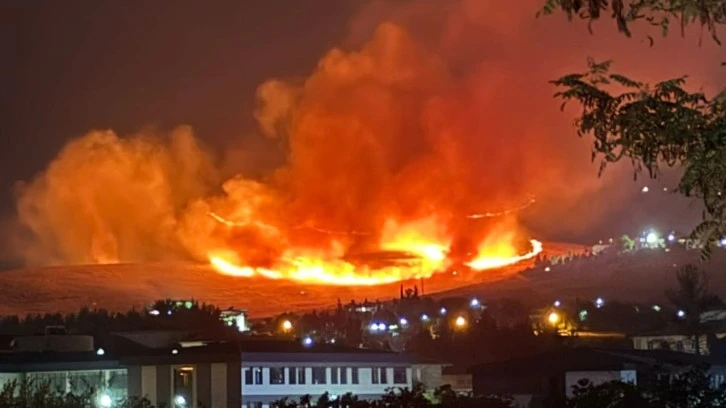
183, 384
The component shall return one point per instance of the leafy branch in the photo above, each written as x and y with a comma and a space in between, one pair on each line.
660, 13
656, 125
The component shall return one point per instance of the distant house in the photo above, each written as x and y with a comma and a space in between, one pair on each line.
195, 373
551, 376
675, 338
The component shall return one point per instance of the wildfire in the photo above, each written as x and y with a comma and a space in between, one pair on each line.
423, 245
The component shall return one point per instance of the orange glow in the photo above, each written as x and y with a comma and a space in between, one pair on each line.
423, 246
502, 256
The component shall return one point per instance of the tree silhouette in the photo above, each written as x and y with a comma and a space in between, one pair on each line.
654, 124
692, 295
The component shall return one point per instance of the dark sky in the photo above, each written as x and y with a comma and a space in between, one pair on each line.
71, 66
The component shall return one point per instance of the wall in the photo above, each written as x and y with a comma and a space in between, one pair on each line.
460, 383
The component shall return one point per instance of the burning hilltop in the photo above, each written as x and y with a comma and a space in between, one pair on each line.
401, 159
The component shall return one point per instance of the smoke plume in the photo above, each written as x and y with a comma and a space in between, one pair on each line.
432, 112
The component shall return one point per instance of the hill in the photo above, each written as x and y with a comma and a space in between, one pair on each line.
121, 286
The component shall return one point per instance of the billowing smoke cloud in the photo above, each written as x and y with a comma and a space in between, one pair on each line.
109, 199
434, 108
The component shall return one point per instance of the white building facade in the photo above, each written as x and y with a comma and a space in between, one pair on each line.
268, 377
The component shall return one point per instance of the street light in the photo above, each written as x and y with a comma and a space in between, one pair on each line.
105, 401
460, 322
286, 325
553, 318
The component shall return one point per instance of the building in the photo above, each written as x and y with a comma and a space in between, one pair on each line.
458, 378
551, 376
675, 337
244, 373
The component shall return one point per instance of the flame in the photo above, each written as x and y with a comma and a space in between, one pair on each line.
488, 259
424, 246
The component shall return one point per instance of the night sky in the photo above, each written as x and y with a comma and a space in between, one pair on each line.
80, 65
73, 66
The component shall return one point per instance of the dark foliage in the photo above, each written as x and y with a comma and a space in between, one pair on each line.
443, 397
655, 125
660, 13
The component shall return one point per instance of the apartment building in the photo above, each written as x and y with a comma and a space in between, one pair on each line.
248, 373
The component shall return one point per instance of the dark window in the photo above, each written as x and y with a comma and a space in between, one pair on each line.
301, 375
253, 375
292, 375
277, 375
319, 375
399, 376
379, 375
344, 375
354, 375
334, 375
255, 405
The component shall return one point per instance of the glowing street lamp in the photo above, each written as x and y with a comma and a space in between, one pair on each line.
557, 303
475, 302
180, 401
286, 325
105, 401
460, 322
651, 238
553, 318
308, 341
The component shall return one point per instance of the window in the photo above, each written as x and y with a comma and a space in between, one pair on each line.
277, 375
378, 375
354, 375
296, 375
319, 375
85, 381
253, 375
57, 381
184, 383
339, 375
255, 405
400, 376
